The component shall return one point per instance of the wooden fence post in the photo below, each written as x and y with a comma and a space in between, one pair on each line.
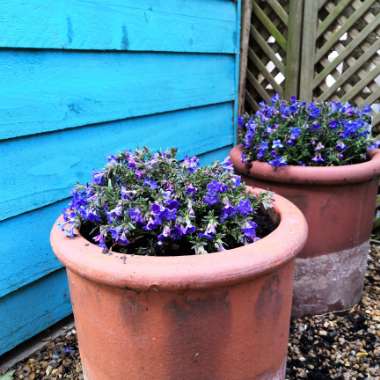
293, 48
310, 19
244, 43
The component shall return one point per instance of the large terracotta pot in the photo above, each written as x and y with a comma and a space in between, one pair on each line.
338, 203
219, 316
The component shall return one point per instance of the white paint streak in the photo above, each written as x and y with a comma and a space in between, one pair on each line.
329, 282
278, 375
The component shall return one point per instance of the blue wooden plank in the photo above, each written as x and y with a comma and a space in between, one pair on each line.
32, 309
23, 264
216, 155
40, 170
25, 260
149, 25
51, 90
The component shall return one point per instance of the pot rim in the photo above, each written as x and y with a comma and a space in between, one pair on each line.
318, 175
186, 272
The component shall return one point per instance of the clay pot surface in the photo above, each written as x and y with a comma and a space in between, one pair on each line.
219, 316
338, 203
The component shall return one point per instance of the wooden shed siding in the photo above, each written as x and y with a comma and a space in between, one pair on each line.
84, 80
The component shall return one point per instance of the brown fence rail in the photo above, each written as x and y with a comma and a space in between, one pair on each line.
324, 50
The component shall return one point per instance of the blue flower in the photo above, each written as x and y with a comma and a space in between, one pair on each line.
136, 215
249, 231
245, 207
295, 133
139, 174
101, 241
172, 204
115, 232
131, 163
228, 211
348, 109
114, 214
153, 223
123, 240
340, 146
211, 199
210, 231
333, 124
270, 129
162, 213
276, 144
79, 199
275, 98
278, 161
319, 147
125, 194
240, 121
236, 180
315, 126
191, 189
367, 109
166, 233
335, 106
263, 148
98, 178
213, 189
92, 216
227, 165
318, 159
191, 163
217, 187
249, 136
151, 183
285, 111
313, 111
112, 160
351, 127
374, 145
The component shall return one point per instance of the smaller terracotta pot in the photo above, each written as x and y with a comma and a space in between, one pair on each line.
219, 316
338, 203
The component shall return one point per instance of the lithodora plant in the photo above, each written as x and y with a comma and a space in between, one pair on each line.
150, 203
299, 133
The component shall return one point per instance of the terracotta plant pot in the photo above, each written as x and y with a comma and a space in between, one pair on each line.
338, 203
219, 316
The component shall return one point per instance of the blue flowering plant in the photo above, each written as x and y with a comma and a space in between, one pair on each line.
150, 203
309, 134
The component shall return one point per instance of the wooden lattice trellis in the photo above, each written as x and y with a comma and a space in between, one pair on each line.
326, 49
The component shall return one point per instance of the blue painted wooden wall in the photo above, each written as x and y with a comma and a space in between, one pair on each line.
80, 80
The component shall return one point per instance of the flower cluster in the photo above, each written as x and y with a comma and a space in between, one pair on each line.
299, 133
152, 204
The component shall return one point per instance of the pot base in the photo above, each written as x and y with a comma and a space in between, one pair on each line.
277, 375
330, 282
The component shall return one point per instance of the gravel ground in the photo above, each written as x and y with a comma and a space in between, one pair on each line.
340, 346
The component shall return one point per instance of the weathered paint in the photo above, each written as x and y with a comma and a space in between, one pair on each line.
31, 308
53, 90
329, 282
86, 79
143, 25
